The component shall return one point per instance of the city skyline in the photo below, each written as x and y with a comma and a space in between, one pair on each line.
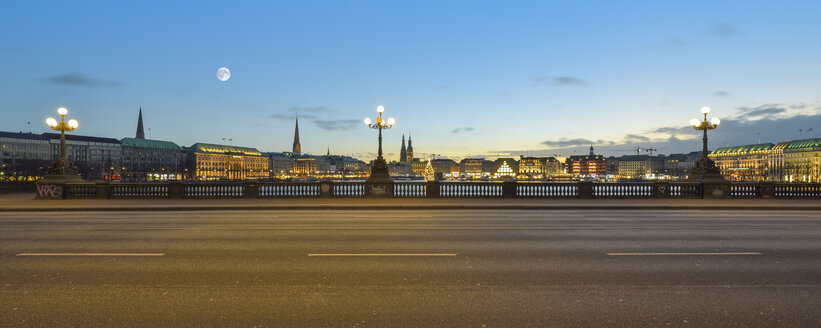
465, 80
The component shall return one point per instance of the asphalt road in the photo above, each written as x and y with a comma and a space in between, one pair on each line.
411, 268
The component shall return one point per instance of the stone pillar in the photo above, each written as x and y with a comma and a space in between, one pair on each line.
103, 190
509, 189
251, 190
432, 189
766, 189
379, 189
585, 189
326, 189
176, 190
716, 189
50, 190
661, 190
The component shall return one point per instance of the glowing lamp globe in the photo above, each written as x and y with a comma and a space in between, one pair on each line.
368, 120
391, 121
73, 124
705, 110
379, 120
62, 111
715, 121
51, 121
694, 122
380, 108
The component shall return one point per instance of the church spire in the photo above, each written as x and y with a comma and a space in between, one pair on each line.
297, 148
140, 132
402, 152
591, 150
409, 151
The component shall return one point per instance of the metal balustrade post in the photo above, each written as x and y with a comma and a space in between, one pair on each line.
585, 189
432, 189
251, 189
661, 190
176, 190
326, 188
103, 190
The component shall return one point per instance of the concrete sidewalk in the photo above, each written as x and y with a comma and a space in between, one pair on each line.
27, 203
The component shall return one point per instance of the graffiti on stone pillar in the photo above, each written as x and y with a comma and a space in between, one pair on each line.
50, 191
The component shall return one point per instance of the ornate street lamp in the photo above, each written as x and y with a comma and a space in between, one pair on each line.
61, 172
62, 166
705, 167
379, 171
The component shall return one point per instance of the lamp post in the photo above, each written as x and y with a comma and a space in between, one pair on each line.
705, 167
380, 173
61, 171
61, 166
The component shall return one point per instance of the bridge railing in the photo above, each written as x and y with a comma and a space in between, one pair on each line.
404, 189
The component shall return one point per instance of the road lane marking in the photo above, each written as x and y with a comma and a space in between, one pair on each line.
378, 254
91, 254
686, 254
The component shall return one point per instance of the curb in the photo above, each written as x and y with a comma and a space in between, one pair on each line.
413, 207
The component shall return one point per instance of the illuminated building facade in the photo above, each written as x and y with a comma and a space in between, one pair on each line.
504, 170
743, 163
539, 166
304, 165
474, 167
775, 162
632, 166
222, 162
586, 165
802, 159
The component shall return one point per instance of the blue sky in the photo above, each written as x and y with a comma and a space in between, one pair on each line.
466, 78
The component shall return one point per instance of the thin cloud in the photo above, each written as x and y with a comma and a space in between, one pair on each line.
723, 30
558, 81
564, 142
336, 125
80, 79
291, 117
635, 138
465, 129
721, 94
760, 112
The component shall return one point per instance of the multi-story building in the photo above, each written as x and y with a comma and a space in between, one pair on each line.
222, 162
539, 166
150, 160
96, 158
586, 165
279, 164
743, 163
445, 166
304, 165
23, 156
802, 159
775, 162
18, 147
633, 166
473, 167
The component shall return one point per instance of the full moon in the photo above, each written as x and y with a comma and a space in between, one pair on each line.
223, 74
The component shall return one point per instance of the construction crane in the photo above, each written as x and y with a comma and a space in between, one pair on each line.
638, 150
